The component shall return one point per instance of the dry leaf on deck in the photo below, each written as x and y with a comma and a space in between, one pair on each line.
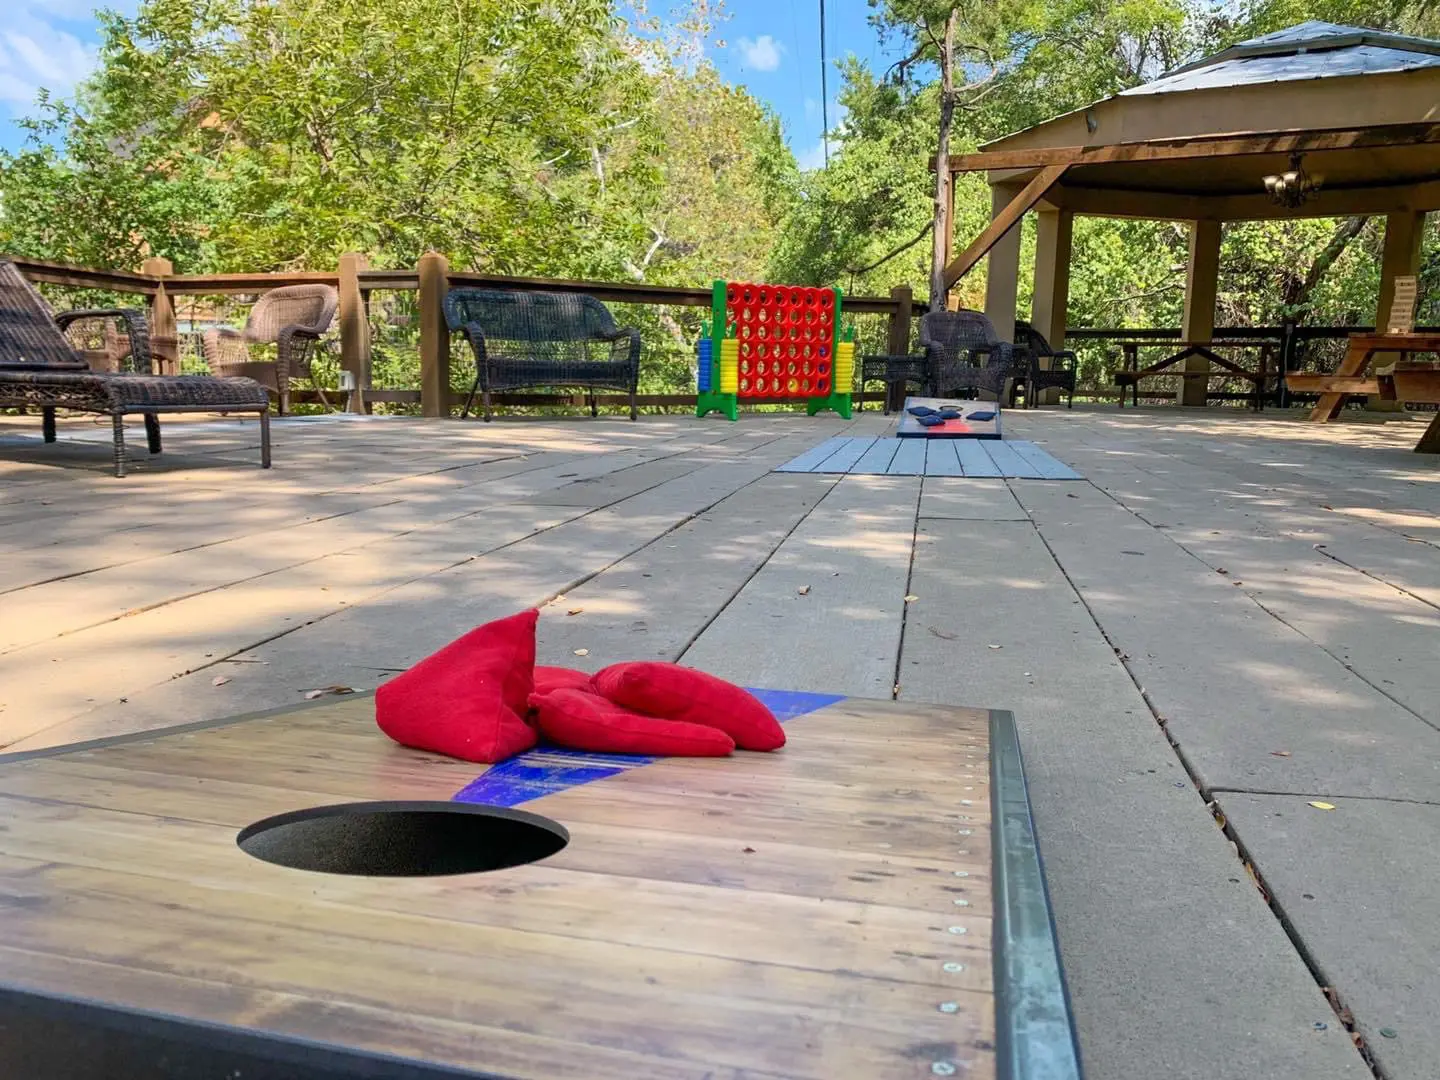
1323, 805
941, 634
803, 590
321, 691
219, 680
994, 646
911, 599
582, 652
1279, 753
575, 611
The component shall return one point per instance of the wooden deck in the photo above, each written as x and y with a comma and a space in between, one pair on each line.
1229, 609
815, 912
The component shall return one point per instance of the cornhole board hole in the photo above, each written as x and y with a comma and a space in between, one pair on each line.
866, 902
965, 428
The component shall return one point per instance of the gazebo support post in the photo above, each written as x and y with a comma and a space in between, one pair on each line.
1051, 296
1202, 275
1404, 230
1002, 278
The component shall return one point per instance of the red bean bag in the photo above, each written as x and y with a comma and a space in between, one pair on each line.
468, 700
560, 678
679, 693
581, 720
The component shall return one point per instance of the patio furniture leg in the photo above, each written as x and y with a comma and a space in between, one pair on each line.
590, 397
117, 422
485, 403
265, 439
152, 432
634, 411
469, 401
285, 398
47, 423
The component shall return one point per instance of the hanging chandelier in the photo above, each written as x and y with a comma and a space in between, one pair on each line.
1292, 187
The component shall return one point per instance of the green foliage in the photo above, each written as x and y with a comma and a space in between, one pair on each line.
536, 137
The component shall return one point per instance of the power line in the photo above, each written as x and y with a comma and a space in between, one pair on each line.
824, 94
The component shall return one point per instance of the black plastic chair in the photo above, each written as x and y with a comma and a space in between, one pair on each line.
1060, 373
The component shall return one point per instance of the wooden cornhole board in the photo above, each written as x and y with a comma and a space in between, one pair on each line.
964, 428
824, 911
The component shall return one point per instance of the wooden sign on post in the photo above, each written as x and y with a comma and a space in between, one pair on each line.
1402, 308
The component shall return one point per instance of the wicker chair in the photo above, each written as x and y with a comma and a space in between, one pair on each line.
963, 352
530, 339
293, 318
40, 368
1061, 371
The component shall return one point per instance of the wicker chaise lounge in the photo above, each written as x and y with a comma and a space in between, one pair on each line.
39, 368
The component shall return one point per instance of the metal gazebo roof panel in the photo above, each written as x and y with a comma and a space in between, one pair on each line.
1309, 50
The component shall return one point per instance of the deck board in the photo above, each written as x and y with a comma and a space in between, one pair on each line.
701, 918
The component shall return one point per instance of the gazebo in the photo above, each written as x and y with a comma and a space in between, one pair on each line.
1357, 110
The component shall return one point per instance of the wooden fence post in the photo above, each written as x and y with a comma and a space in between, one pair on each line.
898, 340
354, 330
434, 271
164, 341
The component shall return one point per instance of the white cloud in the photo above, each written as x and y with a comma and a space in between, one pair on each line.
814, 157
41, 47
762, 53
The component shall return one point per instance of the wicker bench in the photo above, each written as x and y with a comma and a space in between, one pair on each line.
39, 368
529, 339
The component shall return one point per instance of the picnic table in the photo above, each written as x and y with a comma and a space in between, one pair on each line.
1405, 382
1133, 373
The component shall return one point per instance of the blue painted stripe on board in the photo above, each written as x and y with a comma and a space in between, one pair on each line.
788, 704
537, 773
550, 770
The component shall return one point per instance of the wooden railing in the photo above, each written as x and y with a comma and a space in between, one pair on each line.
429, 280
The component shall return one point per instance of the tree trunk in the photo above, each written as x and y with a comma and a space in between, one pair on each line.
1297, 289
943, 179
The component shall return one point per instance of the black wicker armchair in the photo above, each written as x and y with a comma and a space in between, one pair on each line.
964, 353
1060, 372
529, 339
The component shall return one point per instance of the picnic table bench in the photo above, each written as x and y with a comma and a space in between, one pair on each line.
1132, 373
1405, 382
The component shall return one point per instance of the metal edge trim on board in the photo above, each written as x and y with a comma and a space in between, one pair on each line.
1034, 1027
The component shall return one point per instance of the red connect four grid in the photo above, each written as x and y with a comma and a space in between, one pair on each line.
786, 336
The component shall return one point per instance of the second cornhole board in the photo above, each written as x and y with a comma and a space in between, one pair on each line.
964, 428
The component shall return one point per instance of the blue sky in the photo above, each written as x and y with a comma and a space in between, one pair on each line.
772, 48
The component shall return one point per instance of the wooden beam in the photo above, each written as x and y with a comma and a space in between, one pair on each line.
1002, 223
354, 330
1187, 206
1231, 145
164, 337
897, 339
433, 270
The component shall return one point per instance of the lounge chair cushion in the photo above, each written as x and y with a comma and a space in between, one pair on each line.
469, 700
580, 720
680, 693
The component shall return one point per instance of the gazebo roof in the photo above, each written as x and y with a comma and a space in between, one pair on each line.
1310, 50
1361, 106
